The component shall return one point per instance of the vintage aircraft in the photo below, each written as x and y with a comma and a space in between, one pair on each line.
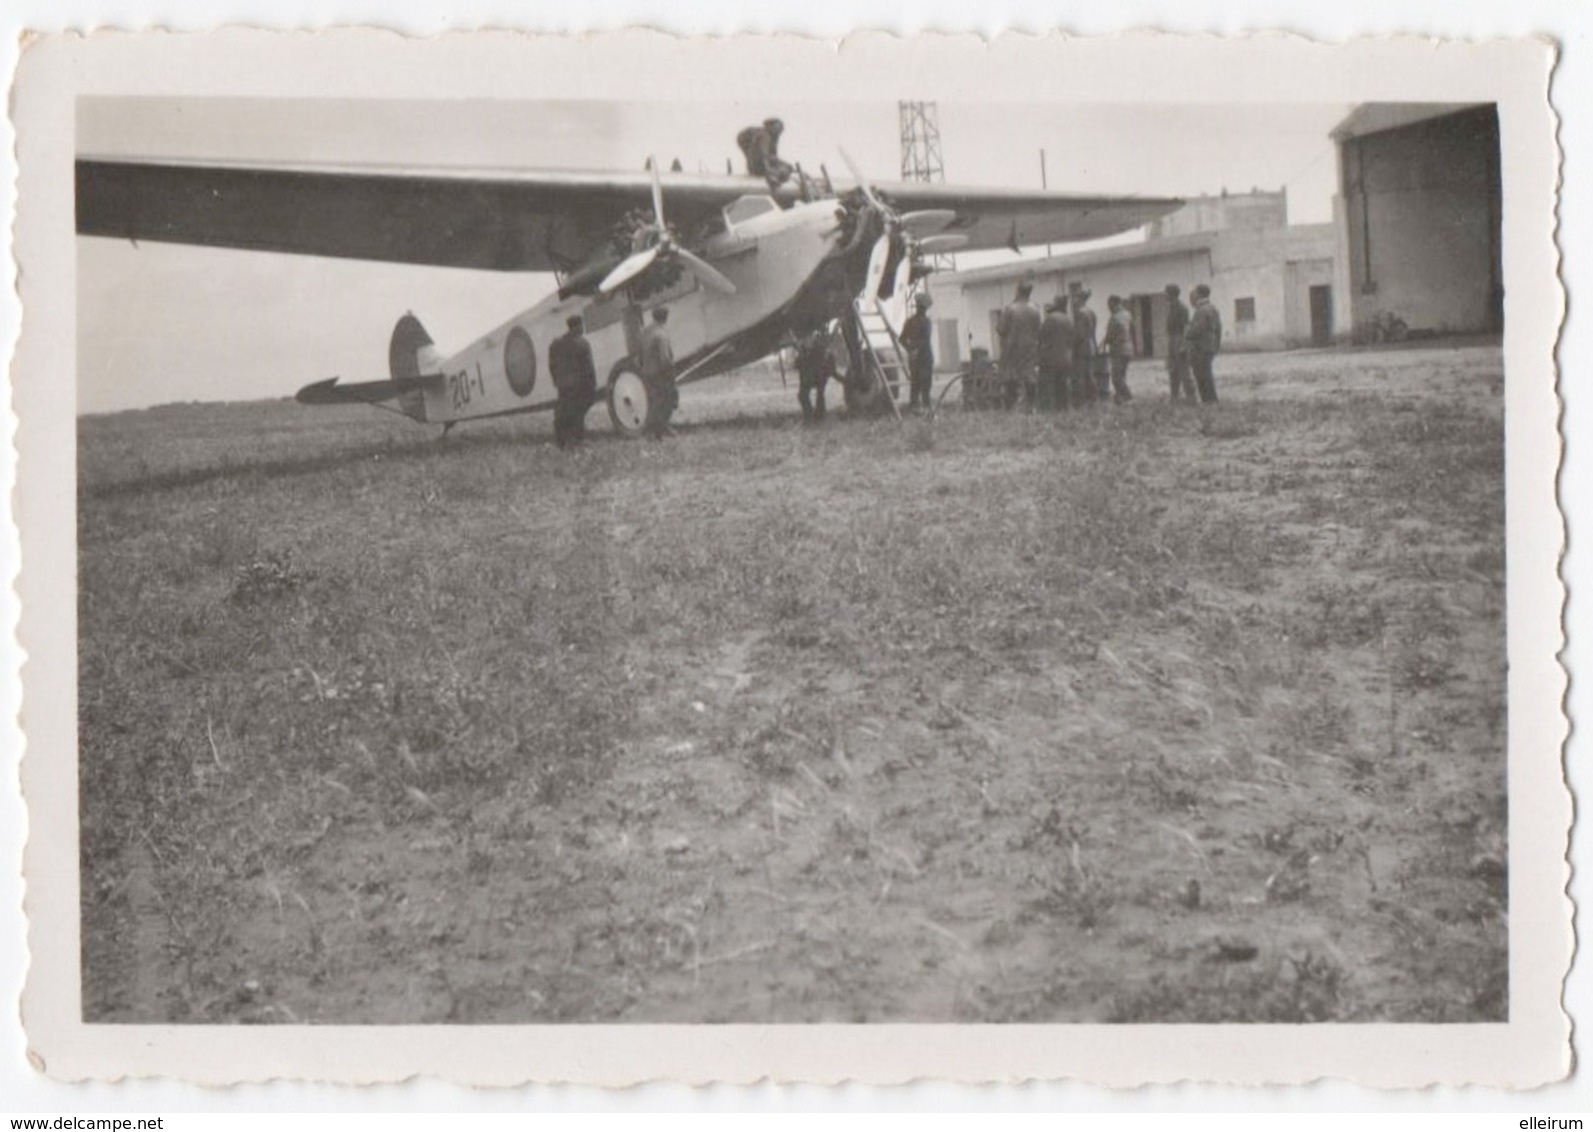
742, 267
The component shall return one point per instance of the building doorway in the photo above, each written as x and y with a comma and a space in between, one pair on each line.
1143, 308
1321, 314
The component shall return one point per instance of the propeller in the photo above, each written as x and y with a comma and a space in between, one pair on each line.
706, 274
629, 268
637, 264
926, 221
868, 189
934, 245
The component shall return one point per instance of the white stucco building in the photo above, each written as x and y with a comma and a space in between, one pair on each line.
1272, 283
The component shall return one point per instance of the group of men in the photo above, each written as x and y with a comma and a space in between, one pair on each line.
815, 362
1193, 339
575, 379
1049, 362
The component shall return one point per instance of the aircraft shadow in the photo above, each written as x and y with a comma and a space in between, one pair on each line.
400, 451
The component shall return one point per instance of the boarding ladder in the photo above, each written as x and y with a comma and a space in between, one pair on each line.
883, 357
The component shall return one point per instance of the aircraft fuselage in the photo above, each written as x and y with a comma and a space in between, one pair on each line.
786, 266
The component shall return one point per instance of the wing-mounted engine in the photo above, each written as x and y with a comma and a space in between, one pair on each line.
655, 247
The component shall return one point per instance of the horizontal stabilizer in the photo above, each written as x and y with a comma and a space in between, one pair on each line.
332, 392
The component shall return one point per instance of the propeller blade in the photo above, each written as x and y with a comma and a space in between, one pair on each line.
862, 183
658, 193
628, 269
876, 268
927, 221
709, 276
934, 245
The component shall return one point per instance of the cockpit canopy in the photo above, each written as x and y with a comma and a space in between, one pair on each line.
743, 209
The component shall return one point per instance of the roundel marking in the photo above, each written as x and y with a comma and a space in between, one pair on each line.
520, 362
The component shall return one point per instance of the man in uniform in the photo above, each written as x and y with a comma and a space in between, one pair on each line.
1179, 381
1119, 346
918, 339
815, 367
575, 378
760, 145
1204, 338
1056, 356
1018, 329
1084, 337
657, 366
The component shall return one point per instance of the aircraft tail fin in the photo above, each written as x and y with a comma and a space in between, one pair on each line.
411, 352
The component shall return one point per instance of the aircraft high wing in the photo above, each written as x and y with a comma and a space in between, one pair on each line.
504, 220
742, 273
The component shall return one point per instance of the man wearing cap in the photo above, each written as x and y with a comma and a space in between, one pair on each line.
918, 340
1018, 330
815, 367
656, 364
1204, 338
1119, 346
1179, 381
1056, 356
575, 379
761, 147
1084, 336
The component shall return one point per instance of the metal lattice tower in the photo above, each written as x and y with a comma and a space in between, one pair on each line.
921, 155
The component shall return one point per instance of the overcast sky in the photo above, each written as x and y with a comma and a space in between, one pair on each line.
160, 323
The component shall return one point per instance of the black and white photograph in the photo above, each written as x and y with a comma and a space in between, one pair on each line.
797, 558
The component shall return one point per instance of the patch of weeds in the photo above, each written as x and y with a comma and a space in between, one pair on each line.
1339, 614
775, 749
272, 575
1170, 789
1050, 830
1418, 667
1291, 883
1321, 723
1304, 987
1071, 891
1429, 619
1229, 423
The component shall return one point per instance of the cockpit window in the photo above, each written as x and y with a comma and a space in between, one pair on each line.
742, 209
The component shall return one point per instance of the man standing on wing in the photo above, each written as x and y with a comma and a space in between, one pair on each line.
1179, 382
1018, 329
657, 366
1204, 338
760, 145
918, 340
575, 378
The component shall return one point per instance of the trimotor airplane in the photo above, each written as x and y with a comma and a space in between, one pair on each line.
743, 266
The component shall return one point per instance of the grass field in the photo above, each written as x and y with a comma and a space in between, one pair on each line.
1146, 714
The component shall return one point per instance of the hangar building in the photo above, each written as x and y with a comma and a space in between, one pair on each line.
1418, 213
1272, 283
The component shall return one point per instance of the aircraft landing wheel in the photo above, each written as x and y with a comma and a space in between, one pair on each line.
627, 400
867, 395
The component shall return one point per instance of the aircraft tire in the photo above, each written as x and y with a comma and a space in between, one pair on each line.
867, 395
627, 400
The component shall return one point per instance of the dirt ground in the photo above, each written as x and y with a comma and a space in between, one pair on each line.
1149, 713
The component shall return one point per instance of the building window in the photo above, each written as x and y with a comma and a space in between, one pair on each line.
1244, 310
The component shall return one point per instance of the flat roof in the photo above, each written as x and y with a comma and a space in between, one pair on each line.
1376, 117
